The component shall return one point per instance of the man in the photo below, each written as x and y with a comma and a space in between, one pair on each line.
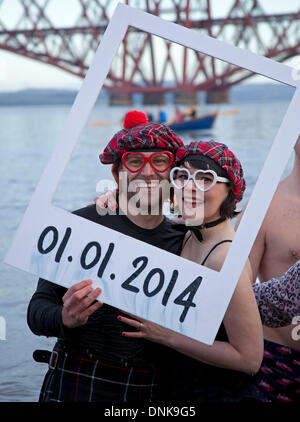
276, 249
91, 360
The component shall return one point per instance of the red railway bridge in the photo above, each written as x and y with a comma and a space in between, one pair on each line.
144, 63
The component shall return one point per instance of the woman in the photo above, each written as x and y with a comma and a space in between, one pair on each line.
208, 182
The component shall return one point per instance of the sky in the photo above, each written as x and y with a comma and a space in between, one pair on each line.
18, 73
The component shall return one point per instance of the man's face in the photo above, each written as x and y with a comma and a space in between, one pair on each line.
146, 187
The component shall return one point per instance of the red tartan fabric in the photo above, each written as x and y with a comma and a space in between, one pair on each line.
145, 136
221, 154
80, 378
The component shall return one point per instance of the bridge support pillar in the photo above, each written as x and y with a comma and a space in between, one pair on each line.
153, 98
186, 97
120, 99
218, 96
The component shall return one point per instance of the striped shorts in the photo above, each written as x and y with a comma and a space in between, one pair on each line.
82, 378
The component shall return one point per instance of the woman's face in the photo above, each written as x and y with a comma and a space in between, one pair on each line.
198, 207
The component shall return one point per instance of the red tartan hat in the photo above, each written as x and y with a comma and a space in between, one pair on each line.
221, 154
138, 133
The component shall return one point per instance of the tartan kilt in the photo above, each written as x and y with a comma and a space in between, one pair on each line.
83, 378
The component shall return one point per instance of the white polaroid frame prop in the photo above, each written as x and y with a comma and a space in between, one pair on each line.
171, 291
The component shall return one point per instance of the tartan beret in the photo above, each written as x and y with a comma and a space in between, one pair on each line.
140, 134
221, 155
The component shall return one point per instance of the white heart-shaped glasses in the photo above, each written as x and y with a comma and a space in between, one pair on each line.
203, 179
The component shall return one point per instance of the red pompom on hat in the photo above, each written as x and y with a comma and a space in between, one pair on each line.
139, 133
134, 118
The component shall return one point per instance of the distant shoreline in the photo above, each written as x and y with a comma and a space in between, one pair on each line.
239, 93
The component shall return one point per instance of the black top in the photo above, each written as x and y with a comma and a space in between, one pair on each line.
102, 332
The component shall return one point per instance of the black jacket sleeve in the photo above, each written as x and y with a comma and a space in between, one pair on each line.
44, 310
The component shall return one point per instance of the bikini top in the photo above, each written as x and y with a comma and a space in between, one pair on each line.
212, 249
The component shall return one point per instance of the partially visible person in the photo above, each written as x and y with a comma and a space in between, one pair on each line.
178, 115
275, 250
191, 112
149, 115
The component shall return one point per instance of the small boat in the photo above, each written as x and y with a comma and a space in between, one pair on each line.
204, 122
196, 123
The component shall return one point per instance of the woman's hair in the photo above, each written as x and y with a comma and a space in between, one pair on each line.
227, 208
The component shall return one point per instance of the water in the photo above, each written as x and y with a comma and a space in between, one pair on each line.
28, 135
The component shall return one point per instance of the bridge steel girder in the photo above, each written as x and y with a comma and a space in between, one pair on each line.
144, 63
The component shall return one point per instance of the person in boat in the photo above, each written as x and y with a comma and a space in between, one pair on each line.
162, 116
191, 113
178, 115
177, 118
149, 115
